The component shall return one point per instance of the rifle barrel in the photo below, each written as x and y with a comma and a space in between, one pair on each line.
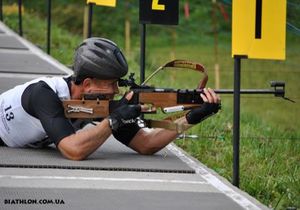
275, 92
278, 91
249, 91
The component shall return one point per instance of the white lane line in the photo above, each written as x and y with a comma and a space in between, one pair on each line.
213, 180
173, 181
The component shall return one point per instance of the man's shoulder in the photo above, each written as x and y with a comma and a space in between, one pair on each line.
39, 87
39, 93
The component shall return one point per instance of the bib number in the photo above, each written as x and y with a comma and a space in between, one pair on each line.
8, 114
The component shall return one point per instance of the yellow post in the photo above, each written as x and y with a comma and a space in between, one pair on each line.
127, 36
174, 38
127, 28
216, 66
85, 21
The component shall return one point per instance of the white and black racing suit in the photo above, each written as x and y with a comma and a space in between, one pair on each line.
32, 114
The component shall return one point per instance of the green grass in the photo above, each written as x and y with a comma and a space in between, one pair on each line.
270, 138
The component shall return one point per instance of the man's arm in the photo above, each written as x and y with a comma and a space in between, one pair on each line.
152, 141
80, 145
148, 142
48, 109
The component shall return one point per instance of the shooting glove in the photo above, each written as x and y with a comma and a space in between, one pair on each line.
114, 104
199, 114
123, 114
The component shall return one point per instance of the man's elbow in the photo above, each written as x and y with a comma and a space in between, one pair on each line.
71, 153
76, 157
147, 150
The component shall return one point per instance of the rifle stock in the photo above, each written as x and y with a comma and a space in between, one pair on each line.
88, 109
99, 107
164, 98
153, 98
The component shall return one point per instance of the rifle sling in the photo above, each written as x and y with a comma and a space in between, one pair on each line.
190, 65
183, 64
166, 124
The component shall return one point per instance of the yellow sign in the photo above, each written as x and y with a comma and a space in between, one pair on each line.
109, 3
157, 6
259, 28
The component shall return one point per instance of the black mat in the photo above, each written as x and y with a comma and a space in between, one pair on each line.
111, 156
44, 198
11, 42
8, 83
26, 63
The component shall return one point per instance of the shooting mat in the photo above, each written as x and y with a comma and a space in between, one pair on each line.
111, 156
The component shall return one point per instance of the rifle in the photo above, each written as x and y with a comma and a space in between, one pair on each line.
169, 100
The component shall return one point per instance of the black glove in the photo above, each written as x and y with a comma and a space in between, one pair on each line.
123, 114
114, 104
199, 114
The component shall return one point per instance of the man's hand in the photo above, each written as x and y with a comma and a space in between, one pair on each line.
211, 105
124, 114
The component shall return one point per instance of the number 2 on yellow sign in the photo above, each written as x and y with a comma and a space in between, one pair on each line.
157, 6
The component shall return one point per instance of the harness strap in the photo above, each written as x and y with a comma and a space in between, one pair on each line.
175, 126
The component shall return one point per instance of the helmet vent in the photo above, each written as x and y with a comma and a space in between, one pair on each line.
120, 57
98, 53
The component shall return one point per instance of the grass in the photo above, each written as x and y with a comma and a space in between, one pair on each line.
270, 139
270, 143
